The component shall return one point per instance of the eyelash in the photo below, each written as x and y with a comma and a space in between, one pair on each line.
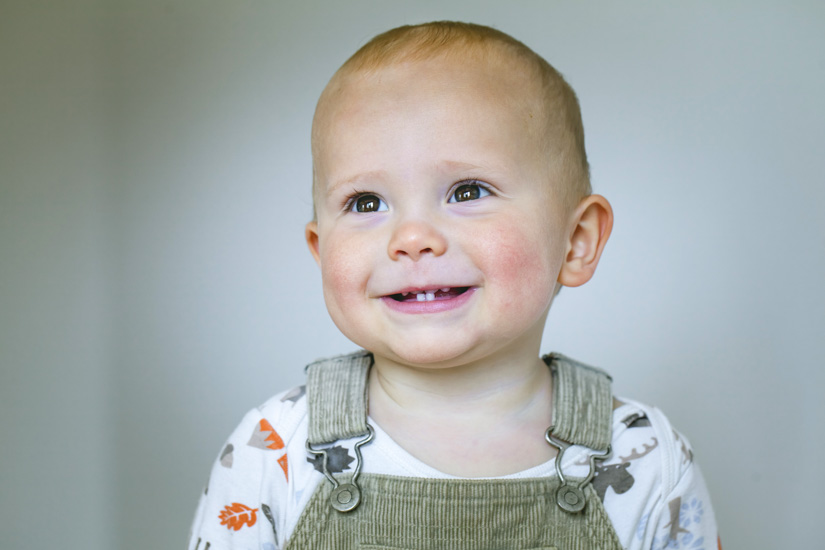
481, 185
350, 202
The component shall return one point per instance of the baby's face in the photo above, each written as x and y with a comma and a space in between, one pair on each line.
438, 233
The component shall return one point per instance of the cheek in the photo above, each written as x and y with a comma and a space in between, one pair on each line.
344, 273
337, 272
522, 268
338, 279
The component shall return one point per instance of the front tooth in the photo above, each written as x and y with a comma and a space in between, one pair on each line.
404, 293
430, 296
420, 297
447, 289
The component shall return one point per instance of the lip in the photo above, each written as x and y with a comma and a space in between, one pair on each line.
434, 306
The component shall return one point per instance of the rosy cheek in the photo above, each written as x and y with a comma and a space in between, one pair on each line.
340, 268
521, 267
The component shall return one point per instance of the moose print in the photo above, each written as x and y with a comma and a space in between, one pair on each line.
613, 475
616, 476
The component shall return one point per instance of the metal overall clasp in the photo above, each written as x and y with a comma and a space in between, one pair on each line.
346, 497
570, 496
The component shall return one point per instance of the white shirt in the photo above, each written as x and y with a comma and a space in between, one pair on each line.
651, 488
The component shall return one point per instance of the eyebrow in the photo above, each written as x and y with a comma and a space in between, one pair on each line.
456, 166
357, 180
445, 166
485, 171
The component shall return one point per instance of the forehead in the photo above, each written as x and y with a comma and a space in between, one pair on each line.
488, 108
496, 79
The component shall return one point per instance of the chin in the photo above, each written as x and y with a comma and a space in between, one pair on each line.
428, 356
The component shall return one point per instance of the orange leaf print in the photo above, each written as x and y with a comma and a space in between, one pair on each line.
264, 436
274, 438
284, 466
237, 515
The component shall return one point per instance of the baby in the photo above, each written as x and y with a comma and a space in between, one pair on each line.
452, 202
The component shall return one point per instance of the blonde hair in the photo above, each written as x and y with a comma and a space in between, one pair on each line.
452, 39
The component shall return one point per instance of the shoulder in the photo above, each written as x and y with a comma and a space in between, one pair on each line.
251, 492
267, 429
651, 480
641, 431
286, 410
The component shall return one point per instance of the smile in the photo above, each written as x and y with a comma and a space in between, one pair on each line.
429, 301
429, 295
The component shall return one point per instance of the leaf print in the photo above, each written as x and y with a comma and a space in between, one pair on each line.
284, 463
226, 456
264, 436
268, 513
294, 395
236, 515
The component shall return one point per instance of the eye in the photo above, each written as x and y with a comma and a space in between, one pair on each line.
469, 191
366, 203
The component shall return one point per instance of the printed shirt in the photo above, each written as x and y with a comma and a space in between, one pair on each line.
651, 488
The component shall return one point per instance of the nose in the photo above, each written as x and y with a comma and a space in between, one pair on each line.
414, 238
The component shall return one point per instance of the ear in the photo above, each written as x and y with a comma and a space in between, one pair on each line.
592, 223
311, 234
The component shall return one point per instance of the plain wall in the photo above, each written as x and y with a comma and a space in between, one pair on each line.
57, 474
154, 283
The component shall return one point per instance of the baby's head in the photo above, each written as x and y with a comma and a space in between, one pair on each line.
550, 102
451, 195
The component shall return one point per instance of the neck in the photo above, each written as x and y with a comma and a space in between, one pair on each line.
499, 385
478, 419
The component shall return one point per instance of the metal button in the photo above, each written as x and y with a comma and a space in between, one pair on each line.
345, 498
570, 498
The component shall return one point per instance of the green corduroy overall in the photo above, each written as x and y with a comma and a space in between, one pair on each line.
405, 513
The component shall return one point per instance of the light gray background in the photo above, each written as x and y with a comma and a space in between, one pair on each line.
154, 283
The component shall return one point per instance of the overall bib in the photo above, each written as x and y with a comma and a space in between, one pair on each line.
381, 512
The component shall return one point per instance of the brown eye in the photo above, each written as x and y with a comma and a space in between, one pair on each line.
368, 203
468, 192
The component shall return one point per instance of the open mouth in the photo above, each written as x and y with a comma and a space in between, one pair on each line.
430, 295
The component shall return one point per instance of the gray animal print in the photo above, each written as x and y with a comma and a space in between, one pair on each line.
338, 460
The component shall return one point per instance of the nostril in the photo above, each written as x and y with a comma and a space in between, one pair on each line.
413, 240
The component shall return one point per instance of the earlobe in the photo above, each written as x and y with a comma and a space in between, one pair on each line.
592, 223
311, 234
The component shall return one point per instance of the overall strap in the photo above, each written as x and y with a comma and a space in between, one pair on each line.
582, 402
337, 397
